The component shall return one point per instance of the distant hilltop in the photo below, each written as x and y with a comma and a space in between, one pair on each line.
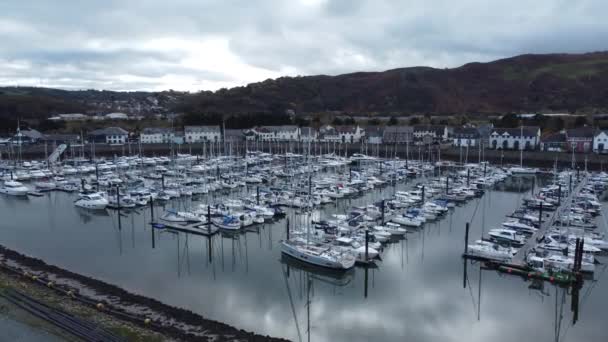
567, 83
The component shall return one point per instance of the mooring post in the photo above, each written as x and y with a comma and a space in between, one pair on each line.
382, 208
162, 180
570, 191
152, 220
287, 228
468, 175
559, 194
118, 207
257, 195
209, 217
447, 182
96, 172
540, 216
309, 184
423, 194
11, 174
82, 184
466, 238
484, 168
366, 245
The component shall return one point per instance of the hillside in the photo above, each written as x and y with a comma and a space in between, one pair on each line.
556, 82
37, 103
526, 83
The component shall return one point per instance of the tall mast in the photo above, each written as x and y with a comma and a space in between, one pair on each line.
521, 148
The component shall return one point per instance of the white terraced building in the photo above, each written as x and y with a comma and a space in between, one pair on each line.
277, 133
523, 138
156, 135
600, 142
193, 134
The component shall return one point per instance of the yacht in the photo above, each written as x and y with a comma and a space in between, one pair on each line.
318, 254
14, 188
227, 222
507, 235
93, 200
489, 250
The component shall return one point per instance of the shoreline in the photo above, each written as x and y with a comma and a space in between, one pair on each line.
534, 158
134, 312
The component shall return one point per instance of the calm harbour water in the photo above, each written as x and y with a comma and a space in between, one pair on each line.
415, 294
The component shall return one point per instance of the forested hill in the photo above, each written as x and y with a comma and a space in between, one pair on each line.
529, 83
526, 83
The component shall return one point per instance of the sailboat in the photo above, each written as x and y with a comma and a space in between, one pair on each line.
521, 169
315, 252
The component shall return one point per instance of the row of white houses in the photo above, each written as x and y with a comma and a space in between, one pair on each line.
584, 139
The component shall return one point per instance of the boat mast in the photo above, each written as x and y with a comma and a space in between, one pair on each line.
521, 148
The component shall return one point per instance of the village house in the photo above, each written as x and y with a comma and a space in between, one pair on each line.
465, 137
277, 133
350, 134
554, 142
526, 138
193, 134
109, 135
26, 136
328, 133
600, 142
374, 134
398, 134
156, 136
308, 134
234, 135
61, 139
580, 139
436, 132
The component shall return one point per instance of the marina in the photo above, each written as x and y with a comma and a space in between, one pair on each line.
294, 245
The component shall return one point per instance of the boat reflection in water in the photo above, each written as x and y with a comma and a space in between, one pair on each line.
542, 289
305, 275
322, 274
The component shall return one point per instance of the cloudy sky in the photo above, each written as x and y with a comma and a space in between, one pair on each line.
204, 44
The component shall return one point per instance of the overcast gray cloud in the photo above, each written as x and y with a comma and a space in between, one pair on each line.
204, 44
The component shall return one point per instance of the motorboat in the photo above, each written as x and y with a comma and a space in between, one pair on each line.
14, 188
519, 226
507, 236
490, 250
94, 200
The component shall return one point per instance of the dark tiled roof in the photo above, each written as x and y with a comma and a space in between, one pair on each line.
581, 132
283, 128
374, 131
156, 130
465, 132
62, 137
109, 131
399, 129
526, 131
554, 138
438, 129
188, 129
